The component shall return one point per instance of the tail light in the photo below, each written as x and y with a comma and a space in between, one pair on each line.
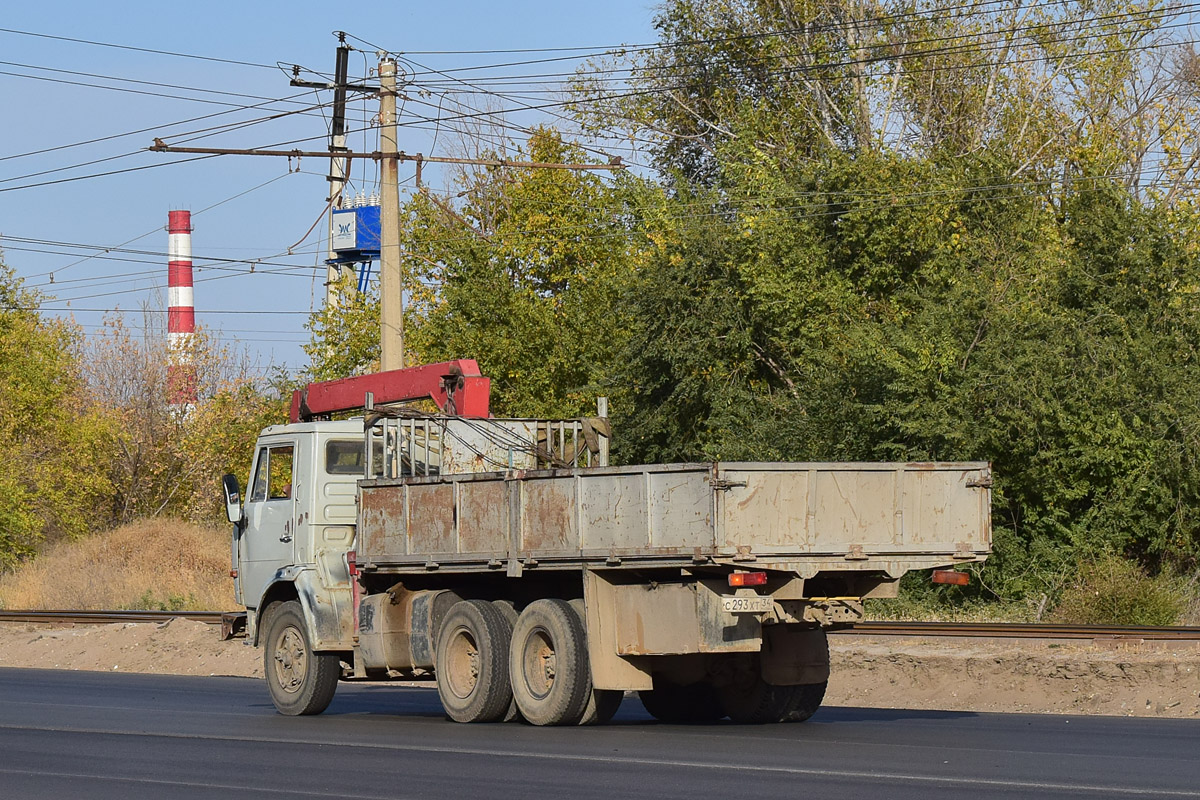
952, 577
352, 563
747, 578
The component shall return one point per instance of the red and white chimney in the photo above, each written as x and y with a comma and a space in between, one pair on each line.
181, 310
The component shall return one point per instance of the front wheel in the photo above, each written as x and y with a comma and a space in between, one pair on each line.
300, 680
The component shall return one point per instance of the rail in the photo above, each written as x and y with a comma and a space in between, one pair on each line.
1018, 630
233, 622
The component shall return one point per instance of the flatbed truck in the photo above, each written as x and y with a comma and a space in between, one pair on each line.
506, 560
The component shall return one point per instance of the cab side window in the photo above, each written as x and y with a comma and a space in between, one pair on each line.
273, 474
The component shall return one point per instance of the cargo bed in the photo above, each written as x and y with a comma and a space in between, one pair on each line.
806, 518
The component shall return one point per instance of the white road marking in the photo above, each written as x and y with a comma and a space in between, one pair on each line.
949, 780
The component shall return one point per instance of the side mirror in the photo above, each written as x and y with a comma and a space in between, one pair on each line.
233, 499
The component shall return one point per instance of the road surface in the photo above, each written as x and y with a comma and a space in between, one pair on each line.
109, 735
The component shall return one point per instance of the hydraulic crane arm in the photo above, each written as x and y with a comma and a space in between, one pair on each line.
456, 387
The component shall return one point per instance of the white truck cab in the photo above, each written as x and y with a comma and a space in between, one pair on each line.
297, 525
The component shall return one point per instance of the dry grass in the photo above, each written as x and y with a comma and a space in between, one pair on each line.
156, 564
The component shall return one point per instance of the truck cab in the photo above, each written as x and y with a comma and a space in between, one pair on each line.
297, 525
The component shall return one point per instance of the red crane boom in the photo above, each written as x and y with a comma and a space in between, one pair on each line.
457, 387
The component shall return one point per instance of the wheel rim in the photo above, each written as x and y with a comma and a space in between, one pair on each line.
539, 663
462, 664
291, 659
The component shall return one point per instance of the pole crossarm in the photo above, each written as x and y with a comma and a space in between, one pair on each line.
160, 147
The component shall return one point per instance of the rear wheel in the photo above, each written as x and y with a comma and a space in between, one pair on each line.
807, 701
548, 664
509, 612
471, 662
693, 703
300, 680
750, 700
602, 704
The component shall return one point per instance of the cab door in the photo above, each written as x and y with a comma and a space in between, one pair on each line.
267, 542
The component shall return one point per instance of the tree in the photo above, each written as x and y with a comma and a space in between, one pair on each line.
523, 274
53, 477
165, 459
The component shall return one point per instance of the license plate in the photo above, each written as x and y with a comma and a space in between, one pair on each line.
746, 605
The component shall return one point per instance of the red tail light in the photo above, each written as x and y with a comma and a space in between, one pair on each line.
352, 563
952, 577
747, 578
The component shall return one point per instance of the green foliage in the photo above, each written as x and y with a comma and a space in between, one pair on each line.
174, 602
525, 285
345, 338
52, 478
1059, 347
1114, 591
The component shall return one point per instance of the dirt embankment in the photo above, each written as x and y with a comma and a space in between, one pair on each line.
959, 675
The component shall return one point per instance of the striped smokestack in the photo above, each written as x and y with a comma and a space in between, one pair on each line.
181, 310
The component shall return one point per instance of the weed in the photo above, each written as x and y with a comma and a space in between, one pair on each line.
1115, 591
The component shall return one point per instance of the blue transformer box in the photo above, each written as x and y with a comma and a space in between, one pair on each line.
355, 235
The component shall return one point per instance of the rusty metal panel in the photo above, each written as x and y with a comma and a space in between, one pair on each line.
431, 519
483, 517
854, 508
678, 619
797, 517
681, 510
609, 670
613, 513
772, 509
382, 524
548, 520
857, 511
933, 509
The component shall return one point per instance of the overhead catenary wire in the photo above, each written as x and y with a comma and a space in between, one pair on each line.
151, 50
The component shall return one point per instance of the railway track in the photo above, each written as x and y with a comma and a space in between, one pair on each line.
232, 622
1017, 630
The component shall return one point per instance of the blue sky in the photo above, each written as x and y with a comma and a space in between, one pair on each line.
40, 224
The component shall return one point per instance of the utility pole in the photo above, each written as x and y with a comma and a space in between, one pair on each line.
338, 164
391, 285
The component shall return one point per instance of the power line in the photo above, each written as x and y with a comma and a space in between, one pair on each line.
137, 49
98, 139
140, 82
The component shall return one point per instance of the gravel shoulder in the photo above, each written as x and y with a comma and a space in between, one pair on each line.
878, 672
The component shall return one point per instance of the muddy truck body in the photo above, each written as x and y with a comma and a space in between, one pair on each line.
505, 559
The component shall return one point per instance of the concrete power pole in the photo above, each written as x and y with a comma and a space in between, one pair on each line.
337, 166
391, 286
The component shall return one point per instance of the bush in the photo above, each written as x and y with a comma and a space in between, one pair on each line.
1114, 591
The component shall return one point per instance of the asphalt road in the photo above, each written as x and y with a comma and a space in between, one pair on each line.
103, 735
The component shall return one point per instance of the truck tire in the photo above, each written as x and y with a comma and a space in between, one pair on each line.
300, 680
548, 664
756, 702
675, 704
471, 662
807, 700
509, 612
602, 704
